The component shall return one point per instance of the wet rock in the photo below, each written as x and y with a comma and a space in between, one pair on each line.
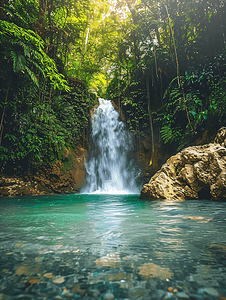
151, 284
159, 294
68, 295
48, 275
108, 296
150, 270
110, 260
169, 296
11, 186
65, 176
221, 136
34, 280
137, 292
121, 293
118, 277
209, 291
58, 279
4, 297
197, 172
196, 297
80, 289
94, 293
24, 297
100, 286
125, 285
182, 295
82, 279
77, 296
21, 286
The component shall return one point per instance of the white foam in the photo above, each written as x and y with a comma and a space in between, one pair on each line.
109, 169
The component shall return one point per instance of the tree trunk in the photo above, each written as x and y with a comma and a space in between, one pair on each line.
178, 69
150, 119
3, 114
2, 12
39, 28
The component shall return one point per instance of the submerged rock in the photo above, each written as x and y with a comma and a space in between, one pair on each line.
150, 270
197, 172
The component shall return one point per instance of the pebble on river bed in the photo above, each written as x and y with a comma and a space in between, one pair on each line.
169, 296
109, 296
58, 280
150, 270
80, 289
137, 292
60, 277
110, 260
94, 293
210, 291
48, 275
68, 295
182, 295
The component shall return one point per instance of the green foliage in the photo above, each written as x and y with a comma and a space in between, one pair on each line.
23, 13
170, 134
166, 65
217, 103
69, 163
198, 104
26, 50
41, 130
41, 115
181, 48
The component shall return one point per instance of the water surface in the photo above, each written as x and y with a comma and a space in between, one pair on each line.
186, 241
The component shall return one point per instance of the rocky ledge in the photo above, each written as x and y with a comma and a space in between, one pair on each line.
197, 172
67, 176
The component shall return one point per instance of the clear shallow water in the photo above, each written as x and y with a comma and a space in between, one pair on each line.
186, 241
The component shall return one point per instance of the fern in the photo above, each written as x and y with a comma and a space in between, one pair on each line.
166, 133
169, 134
32, 76
20, 43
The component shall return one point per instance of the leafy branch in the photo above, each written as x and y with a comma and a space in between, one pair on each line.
25, 49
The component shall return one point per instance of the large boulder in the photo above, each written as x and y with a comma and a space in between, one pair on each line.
197, 172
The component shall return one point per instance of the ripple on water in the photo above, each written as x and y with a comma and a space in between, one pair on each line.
86, 239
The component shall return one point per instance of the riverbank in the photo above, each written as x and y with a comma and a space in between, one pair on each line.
62, 177
197, 172
177, 179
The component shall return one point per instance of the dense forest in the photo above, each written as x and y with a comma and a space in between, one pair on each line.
162, 62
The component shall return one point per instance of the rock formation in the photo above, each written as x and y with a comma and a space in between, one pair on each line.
197, 172
67, 176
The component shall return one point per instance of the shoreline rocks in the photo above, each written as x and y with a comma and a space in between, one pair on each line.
67, 176
197, 172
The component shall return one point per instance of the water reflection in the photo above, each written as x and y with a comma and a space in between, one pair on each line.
182, 238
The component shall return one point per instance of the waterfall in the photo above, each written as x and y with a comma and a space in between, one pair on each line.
110, 167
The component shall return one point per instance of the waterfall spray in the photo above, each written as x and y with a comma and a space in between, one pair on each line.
110, 167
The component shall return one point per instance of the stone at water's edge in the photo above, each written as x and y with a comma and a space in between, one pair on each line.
197, 172
67, 177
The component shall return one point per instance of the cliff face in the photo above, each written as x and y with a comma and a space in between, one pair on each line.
197, 172
67, 176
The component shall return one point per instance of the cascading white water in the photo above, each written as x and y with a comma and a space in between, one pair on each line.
110, 167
